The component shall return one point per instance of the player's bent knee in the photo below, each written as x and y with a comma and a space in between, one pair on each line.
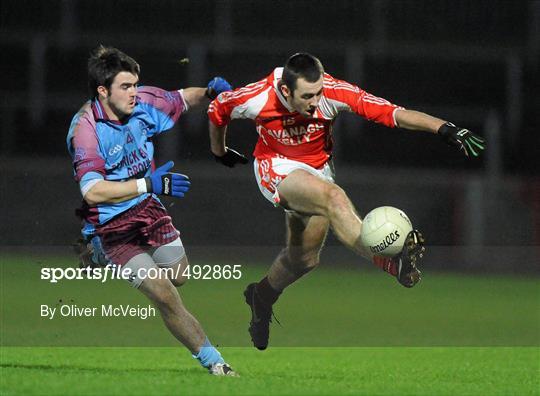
179, 274
336, 199
179, 281
335, 195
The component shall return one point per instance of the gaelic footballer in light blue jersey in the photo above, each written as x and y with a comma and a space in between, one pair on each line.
110, 143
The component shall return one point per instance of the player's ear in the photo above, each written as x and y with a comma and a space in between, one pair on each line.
285, 91
102, 92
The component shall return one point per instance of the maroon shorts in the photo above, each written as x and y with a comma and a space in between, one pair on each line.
144, 226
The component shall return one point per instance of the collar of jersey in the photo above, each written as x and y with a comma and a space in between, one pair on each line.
100, 114
281, 97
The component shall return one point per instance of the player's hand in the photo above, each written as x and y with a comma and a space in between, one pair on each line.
231, 158
163, 182
216, 86
463, 139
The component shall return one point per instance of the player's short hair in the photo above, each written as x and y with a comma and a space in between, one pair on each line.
104, 64
302, 65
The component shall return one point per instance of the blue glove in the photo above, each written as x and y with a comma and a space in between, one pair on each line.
163, 182
216, 86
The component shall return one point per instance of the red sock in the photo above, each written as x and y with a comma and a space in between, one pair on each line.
386, 264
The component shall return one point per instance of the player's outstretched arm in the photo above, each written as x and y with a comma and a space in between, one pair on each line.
417, 121
198, 96
161, 182
465, 140
223, 154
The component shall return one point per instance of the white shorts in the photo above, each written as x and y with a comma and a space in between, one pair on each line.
269, 172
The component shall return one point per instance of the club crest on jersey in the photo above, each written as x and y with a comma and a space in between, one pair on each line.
144, 128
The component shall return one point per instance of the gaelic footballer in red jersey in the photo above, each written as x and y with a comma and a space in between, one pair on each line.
294, 109
298, 124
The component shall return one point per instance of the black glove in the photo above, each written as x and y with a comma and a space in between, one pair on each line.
231, 158
462, 138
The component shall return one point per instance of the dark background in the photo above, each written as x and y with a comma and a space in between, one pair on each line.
474, 63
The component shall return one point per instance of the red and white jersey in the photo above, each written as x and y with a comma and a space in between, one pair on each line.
284, 132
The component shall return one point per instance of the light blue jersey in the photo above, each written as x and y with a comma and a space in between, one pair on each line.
103, 149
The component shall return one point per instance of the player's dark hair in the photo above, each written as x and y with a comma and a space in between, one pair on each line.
103, 66
302, 65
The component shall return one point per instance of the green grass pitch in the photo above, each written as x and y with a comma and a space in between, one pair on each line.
344, 331
282, 371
